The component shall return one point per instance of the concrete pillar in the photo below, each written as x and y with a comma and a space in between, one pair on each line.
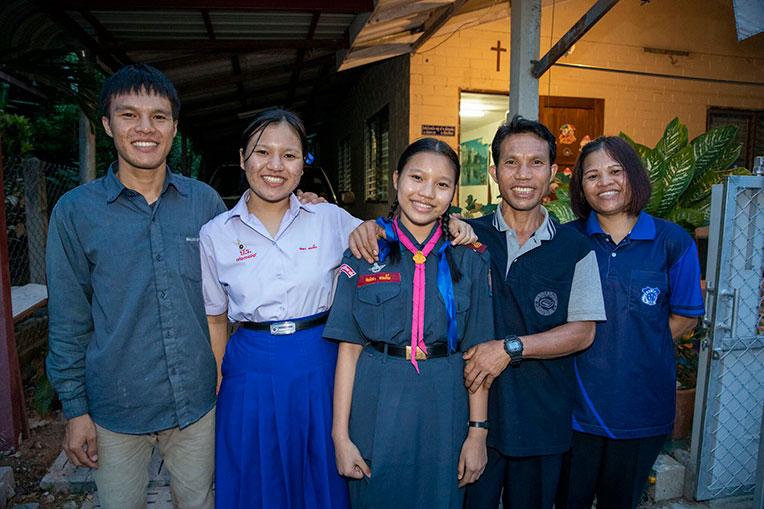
87, 150
525, 38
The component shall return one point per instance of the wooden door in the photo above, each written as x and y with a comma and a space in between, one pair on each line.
574, 121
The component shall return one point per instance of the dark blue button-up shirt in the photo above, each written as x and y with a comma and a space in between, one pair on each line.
128, 338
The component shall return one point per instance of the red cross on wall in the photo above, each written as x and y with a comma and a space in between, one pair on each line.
498, 49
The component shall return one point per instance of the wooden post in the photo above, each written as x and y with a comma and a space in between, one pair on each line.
525, 40
87, 149
13, 422
36, 212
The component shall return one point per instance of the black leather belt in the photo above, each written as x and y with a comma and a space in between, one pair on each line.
434, 350
287, 326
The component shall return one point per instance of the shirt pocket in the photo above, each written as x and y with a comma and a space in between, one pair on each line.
378, 310
189, 264
462, 301
648, 293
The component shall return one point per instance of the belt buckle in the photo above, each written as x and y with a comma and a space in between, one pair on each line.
283, 328
420, 355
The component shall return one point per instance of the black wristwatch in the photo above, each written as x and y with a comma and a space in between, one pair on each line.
513, 345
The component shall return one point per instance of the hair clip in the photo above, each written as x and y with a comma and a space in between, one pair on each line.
309, 159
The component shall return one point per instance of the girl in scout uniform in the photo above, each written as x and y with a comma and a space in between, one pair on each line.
650, 275
401, 410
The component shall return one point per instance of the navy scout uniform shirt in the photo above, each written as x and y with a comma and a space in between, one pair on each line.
373, 302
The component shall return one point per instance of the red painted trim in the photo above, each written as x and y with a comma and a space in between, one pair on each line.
13, 422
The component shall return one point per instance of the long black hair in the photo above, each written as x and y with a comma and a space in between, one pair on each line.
273, 116
434, 146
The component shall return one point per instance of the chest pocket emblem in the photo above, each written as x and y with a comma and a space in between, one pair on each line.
650, 295
545, 303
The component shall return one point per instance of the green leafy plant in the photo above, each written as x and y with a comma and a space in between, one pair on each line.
681, 172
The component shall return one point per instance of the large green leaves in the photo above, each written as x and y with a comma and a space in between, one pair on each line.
673, 140
561, 210
676, 178
714, 148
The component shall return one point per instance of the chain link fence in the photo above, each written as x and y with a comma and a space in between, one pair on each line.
735, 369
32, 188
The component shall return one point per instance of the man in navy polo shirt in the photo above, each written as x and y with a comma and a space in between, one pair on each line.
547, 297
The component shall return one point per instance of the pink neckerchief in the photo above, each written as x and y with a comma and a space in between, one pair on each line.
417, 317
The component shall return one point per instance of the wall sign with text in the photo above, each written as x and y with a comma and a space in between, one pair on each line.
438, 130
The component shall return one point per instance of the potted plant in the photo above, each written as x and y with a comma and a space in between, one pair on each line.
686, 351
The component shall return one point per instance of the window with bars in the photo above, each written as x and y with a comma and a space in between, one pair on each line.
750, 130
344, 171
377, 156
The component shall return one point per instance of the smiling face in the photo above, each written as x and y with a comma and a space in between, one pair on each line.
523, 171
142, 128
273, 163
605, 184
425, 188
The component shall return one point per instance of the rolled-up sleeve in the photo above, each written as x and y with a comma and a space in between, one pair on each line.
70, 321
215, 296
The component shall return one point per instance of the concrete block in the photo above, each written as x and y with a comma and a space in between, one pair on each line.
669, 478
7, 485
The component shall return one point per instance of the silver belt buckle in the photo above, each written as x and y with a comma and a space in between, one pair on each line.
283, 328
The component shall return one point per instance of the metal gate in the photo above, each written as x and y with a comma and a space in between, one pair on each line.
730, 390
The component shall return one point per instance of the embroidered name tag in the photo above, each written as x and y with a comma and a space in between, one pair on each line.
382, 277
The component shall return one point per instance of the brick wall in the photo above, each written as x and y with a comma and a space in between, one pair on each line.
639, 106
377, 85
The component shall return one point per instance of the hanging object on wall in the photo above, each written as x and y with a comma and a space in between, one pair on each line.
498, 49
567, 134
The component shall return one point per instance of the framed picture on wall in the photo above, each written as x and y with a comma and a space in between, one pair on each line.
473, 155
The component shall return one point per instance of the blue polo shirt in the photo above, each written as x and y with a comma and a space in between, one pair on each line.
626, 381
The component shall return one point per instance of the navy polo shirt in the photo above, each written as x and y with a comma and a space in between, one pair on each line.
626, 381
530, 404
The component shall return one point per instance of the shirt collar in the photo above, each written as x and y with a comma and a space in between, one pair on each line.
241, 210
114, 187
544, 232
644, 228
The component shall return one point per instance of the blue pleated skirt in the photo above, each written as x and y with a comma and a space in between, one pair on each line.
274, 422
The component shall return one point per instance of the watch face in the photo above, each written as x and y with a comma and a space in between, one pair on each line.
514, 345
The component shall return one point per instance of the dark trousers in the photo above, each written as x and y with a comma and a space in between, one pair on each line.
529, 482
614, 470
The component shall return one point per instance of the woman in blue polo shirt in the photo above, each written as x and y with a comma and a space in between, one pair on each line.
401, 431
651, 285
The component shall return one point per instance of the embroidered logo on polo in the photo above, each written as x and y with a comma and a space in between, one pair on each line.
650, 295
376, 268
545, 303
382, 277
244, 253
347, 270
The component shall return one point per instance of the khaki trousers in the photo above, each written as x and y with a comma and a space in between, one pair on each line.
189, 454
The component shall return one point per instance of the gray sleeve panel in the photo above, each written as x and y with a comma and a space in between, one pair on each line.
586, 303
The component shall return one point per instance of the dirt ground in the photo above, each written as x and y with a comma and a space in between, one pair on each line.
32, 460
